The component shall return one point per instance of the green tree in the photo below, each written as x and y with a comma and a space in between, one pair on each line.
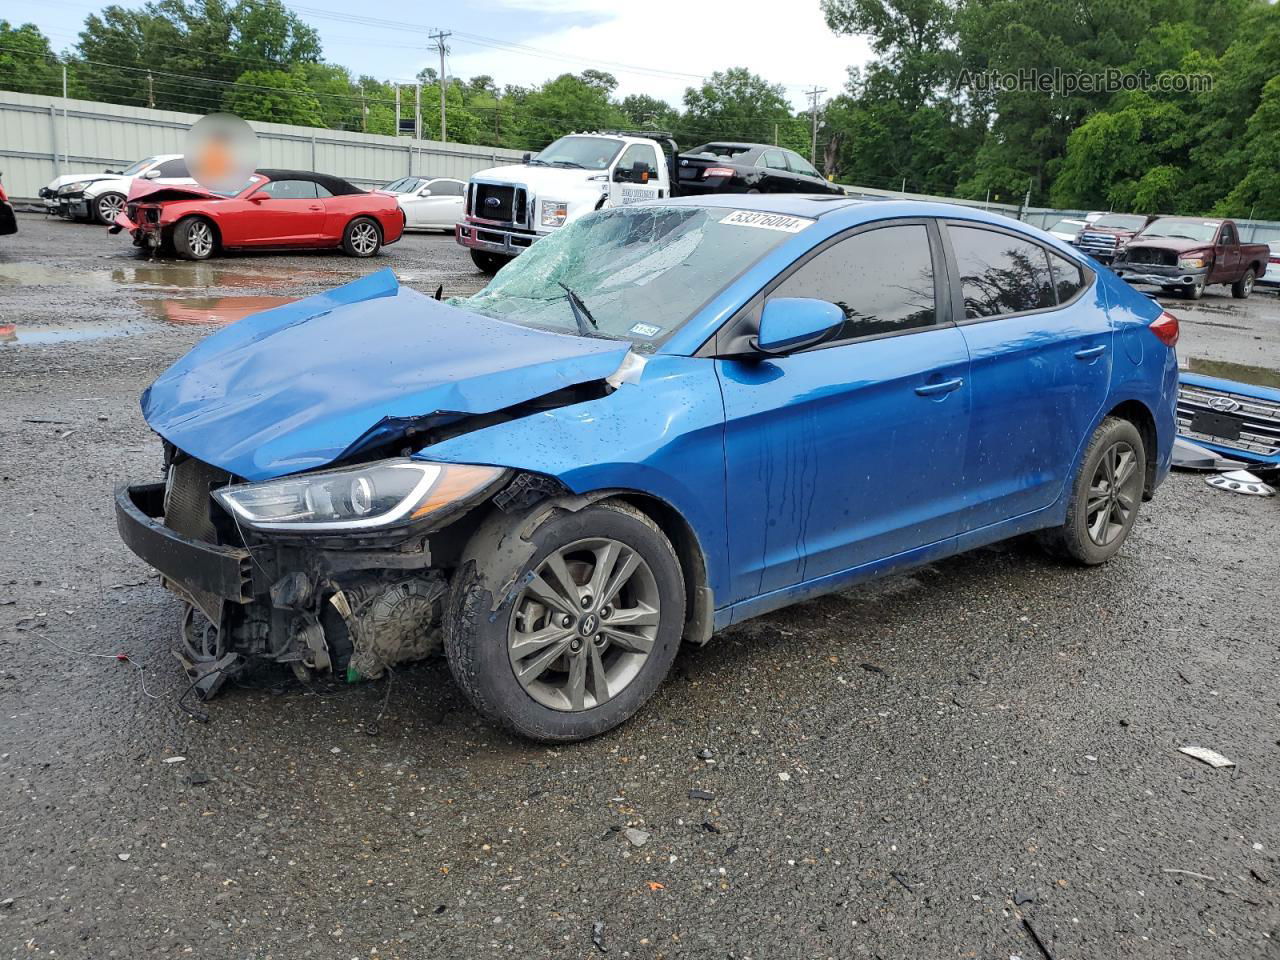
736, 104
649, 113
277, 96
27, 64
566, 104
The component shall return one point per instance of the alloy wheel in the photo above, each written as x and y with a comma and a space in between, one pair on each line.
110, 207
364, 238
200, 239
1113, 494
584, 625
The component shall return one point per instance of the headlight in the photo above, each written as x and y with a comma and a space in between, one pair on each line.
74, 187
373, 495
554, 213
1191, 263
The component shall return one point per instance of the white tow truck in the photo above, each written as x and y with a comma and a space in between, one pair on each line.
508, 208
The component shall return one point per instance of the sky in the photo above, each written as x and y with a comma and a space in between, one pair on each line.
658, 47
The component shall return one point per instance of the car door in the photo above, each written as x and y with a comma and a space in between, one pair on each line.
288, 212
438, 204
849, 452
805, 178
776, 177
625, 187
1226, 256
1040, 342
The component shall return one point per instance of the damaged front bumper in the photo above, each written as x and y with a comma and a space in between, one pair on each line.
505, 241
1159, 275
346, 606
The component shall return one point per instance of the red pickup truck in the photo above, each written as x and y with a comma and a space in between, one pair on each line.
1189, 253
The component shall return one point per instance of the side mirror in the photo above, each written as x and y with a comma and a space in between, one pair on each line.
526, 158
788, 324
257, 197
151, 174
639, 172
424, 192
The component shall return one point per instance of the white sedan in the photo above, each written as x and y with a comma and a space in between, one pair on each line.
429, 203
1271, 276
101, 197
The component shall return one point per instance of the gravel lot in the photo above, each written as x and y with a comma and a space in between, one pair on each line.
932, 766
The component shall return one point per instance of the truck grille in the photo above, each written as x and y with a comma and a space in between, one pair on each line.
1230, 419
1097, 241
1166, 258
493, 201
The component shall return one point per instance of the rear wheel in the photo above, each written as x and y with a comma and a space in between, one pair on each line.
489, 263
361, 238
108, 206
1244, 286
570, 641
194, 238
1104, 497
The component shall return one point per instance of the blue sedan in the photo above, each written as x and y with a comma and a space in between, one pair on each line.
663, 419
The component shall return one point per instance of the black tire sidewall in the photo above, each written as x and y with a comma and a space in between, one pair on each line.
492, 684
1079, 543
346, 238
180, 239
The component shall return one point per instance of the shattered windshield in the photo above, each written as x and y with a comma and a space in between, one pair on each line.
587, 153
641, 271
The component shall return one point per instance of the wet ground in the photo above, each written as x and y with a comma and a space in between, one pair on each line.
933, 766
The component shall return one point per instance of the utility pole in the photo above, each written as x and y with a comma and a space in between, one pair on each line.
66, 132
417, 111
439, 37
813, 146
151, 91
364, 114
396, 130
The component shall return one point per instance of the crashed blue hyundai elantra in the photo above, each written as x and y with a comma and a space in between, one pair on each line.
662, 420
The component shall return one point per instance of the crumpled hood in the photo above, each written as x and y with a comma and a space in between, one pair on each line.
300, 386
156, 190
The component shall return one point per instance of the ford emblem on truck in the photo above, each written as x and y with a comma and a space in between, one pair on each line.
492, 202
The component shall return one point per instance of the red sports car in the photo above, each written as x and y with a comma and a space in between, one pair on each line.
276, 208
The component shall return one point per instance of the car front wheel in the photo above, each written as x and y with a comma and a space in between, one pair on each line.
570, 640
194, 239
489, 263
109, 206
1105, 495
361, 238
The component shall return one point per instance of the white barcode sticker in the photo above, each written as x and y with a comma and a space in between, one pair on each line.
767, 221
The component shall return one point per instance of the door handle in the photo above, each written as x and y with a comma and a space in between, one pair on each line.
1088, 353
316, 207
934, 389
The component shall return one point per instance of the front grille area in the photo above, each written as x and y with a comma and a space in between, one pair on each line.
188, 507
1165, 258
1230, 419
495, 202
1104, 241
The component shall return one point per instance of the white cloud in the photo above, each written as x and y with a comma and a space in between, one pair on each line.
784, 43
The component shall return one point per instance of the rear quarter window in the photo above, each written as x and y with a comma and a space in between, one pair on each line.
999, 273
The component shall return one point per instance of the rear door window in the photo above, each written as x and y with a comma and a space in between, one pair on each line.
999, 273
881, 279
1068, 277
773, 159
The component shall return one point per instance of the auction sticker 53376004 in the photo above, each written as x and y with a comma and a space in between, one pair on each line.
767, 221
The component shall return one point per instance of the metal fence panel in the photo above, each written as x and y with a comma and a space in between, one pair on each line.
43, 137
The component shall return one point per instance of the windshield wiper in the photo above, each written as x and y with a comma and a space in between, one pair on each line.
567, 163
542, 163
581, 315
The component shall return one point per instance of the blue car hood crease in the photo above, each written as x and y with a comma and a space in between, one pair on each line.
296, 387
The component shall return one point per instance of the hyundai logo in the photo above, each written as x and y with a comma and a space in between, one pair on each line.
1224, 404
590, 623
492, 202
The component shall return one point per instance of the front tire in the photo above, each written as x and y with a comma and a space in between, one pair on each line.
194, 238
1195, 291
1244, 286
1105, 496
489, 263
581, 632
107, 207
362, 238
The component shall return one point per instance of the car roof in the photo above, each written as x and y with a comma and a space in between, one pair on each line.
335, 185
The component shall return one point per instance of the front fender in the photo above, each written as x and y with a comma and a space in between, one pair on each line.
662, 436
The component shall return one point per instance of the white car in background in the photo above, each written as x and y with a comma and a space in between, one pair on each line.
1067, 229
429, 203
1271, 276
101, 197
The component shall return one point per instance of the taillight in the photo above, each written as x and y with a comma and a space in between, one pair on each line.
1276, 260
718, 172
1165, 327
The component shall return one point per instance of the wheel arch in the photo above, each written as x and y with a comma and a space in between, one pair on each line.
372, 218
1140, 415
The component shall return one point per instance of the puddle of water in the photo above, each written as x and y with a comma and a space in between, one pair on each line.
217, 311
157, 275
11, 336
1240, 372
